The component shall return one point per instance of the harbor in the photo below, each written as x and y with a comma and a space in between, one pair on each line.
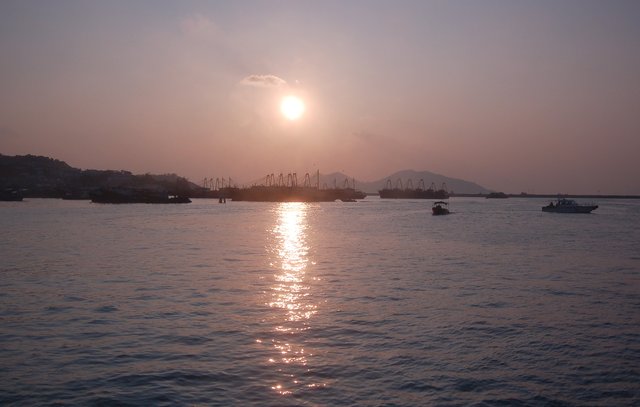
282, 188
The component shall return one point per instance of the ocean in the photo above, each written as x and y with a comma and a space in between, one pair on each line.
372, 303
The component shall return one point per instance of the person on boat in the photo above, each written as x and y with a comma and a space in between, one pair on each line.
551, 205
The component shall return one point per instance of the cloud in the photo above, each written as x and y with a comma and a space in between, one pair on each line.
199, 26
264, 81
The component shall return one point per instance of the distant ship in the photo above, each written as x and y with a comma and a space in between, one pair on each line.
497, 195
568, 206
398, 192
286, 189
292, 194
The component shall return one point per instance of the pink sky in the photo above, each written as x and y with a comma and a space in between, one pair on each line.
529, 96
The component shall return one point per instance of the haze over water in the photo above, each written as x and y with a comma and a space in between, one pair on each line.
368, 303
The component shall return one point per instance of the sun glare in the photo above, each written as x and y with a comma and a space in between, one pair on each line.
292, 107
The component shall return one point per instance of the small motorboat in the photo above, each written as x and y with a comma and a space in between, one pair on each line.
564, 205
440, 208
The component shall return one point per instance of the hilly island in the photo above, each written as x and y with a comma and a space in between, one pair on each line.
45, 177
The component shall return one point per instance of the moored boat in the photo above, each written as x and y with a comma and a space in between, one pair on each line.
564, 205
130, 195
497, 195
262, 193
11, 194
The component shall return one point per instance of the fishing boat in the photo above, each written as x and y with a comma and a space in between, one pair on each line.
440, 208
564, 205
497, 195
287, 189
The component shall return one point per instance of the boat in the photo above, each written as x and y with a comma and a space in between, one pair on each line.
497, 195
564, 205
11, 194
131, 195
76, 195
440, 208
287, 189
262, 193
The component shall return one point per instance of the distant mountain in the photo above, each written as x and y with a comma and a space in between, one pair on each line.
408, 178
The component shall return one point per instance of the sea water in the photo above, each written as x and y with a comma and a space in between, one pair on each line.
373, 303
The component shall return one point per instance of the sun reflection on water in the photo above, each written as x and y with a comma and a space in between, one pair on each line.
290, 296
292, 260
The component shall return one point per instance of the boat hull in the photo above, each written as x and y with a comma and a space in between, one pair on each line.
294, 194
574, 209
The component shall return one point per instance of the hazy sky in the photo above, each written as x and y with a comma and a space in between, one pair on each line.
535, 96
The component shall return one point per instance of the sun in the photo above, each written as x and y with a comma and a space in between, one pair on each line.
292, 107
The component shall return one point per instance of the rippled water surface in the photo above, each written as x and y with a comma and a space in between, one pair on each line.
370, 303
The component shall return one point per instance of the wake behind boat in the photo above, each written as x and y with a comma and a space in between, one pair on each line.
564, 205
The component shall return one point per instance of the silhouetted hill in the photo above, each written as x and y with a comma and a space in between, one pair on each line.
45, 177
32, 165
